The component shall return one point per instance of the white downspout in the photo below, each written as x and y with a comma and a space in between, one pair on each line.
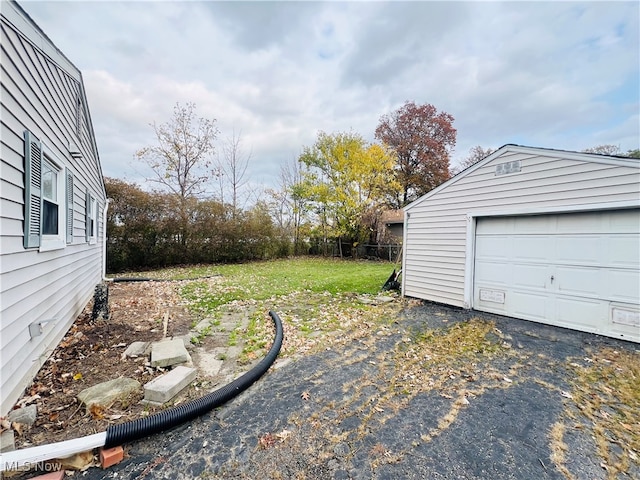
17, 460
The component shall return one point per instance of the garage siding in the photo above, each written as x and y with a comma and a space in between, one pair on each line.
436, 225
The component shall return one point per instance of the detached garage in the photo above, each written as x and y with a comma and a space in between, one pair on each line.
544, 235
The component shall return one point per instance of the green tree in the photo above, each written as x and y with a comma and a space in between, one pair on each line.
345, 180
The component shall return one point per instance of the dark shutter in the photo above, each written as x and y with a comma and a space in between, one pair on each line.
87, 227
70, 210
32, 190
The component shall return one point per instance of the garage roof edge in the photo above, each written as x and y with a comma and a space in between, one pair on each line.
549, 152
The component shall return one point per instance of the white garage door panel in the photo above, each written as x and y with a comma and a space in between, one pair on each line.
495, 277
533, 307
530, 248
627, 286
494, 247
589, 253
531, 277
578, 270
580, 281
622, 250
580, 314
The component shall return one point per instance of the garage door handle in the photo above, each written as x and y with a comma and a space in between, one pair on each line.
552, 278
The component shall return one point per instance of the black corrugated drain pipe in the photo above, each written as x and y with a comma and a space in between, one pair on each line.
166, 419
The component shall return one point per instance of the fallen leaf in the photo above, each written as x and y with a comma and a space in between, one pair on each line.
80, 461
77, 376
4, 424
266, 441
17, 427
283, 435
96, 411
305, 395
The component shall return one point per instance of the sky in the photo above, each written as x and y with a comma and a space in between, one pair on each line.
562, 75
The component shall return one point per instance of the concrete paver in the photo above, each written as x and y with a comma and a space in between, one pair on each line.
163, 388
168, 352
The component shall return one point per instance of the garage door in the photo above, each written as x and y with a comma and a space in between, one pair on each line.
579, 270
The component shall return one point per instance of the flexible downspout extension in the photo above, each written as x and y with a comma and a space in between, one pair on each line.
142, 427
137, 429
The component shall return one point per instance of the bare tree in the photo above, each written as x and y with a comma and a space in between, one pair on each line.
182, 158
607, 149
476, 154
232, 168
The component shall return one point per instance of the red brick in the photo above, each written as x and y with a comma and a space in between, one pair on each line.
111, 456
59, 475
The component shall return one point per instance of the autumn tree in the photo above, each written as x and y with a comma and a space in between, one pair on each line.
345, 180
476, 154
181, 160
422, 139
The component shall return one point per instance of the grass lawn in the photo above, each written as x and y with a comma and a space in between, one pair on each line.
313, 296
263, 280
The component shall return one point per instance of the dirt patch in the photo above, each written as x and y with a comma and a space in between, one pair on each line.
91, 352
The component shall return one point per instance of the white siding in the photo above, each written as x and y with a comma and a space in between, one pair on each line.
436, 230
40, 91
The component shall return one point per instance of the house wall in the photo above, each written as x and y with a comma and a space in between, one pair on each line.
437, 225
41, 92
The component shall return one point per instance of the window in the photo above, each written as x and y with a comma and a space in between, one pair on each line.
47, 215
49, 199
92, 219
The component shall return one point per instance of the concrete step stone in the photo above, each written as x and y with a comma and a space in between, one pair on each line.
104, 394
209, 363
168, 352
163, 388
203, 324
7, 441
186, 340
136, 349
26, 415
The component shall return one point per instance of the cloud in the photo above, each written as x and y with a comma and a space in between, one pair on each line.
549, 74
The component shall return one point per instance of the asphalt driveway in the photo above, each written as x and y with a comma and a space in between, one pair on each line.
354, 413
